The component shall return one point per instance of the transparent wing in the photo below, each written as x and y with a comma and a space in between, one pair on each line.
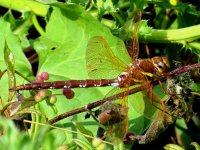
117, 125
134, 47
122, 52
147, 103
101, 61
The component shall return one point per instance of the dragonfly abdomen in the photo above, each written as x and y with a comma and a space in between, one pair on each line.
67, 84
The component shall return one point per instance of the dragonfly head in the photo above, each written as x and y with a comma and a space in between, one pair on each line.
161, 64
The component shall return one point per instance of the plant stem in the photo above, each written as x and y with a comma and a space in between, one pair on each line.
122, 5
96, 103
25, 24
194, 45
26, 5
182, 35
37, 25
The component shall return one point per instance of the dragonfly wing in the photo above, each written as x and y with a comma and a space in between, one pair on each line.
117, 125
123, 53
100, 59
146, 105
134, 48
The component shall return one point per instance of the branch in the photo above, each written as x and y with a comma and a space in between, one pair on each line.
98, 103
125, 93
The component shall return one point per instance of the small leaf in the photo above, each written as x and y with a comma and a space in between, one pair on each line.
173, 147
84, 145
83, 130
98, 144
184, 137
7, 62
70, 11
119, 147
20, 140
71, 146
196, 145
196, 87
10, 61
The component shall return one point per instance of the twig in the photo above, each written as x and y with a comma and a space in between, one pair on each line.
114, 97
67, 130
184, 69
98, 103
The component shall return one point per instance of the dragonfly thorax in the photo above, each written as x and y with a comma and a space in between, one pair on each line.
142, 70
124, 78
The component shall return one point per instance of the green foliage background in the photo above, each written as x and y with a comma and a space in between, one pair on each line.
61, 48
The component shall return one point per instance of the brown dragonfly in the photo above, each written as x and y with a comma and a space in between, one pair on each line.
102, 66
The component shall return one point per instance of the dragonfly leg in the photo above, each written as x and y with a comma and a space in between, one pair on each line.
155, 99
3, 106
163, 106
100, 133
91, 113
162, 88
150, 93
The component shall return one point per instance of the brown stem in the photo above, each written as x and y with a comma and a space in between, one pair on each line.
111, 98
184, 69
98, 103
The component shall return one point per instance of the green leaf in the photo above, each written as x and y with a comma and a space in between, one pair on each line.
46, 1
194, 47
69, 10
72, 146
119, 147
10, 138
26, 5
196, 145
20, 26
184, 137
10, 61
98, 144
173, 147
61, 53
83, 130
47, 138
195, 87
84, 145
142, 112
106, 5
21, 63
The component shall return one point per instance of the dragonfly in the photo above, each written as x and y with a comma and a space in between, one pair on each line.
102, 66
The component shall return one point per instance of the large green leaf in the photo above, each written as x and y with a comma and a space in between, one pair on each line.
21, 63
61, 52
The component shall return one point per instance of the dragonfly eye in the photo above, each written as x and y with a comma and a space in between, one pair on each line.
160, 64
